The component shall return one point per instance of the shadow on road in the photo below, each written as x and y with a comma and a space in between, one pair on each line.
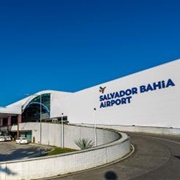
110, 175
178, 157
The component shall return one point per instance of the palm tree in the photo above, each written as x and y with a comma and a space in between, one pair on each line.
84, 143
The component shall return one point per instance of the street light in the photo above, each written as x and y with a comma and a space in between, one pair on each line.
62, 131
40, 111
95, 131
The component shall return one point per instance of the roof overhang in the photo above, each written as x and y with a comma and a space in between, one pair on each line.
5, 115
9, 111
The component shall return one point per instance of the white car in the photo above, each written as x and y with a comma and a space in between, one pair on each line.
7, 138
22, 140
2, 139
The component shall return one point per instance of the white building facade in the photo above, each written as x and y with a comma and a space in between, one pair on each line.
150, 98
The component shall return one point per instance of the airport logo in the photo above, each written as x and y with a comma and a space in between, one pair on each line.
125, 96
102, 89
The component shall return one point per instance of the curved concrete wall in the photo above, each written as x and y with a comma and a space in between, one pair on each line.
51, 134
61, 164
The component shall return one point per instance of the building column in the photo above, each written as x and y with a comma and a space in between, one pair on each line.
1, 121
9, 121
19, 118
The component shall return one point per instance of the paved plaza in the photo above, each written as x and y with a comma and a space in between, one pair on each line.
12, 151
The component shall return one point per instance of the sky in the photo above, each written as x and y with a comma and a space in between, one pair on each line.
70, 45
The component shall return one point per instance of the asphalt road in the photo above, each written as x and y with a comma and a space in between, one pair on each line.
155, 158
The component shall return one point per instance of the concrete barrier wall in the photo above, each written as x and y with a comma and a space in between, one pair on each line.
113, 149
51, 134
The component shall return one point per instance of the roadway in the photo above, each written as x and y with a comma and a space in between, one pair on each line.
156, 157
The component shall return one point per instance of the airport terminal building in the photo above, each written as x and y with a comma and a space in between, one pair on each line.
150, 98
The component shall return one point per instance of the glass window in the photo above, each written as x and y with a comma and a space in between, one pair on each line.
38, 108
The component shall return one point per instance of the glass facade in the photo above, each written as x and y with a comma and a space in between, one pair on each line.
38, 108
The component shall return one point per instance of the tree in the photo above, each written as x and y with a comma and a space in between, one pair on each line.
84, 143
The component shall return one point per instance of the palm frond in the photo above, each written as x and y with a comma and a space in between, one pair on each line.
84, 143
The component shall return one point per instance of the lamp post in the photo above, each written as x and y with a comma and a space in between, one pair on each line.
95, 131
40, 123
62, 132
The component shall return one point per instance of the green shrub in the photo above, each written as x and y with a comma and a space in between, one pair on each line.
58, 150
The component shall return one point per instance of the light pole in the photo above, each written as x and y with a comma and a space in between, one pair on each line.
40, 128
62, 132
95, 131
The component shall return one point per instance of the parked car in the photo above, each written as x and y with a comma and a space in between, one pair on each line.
7, 138
2, 139
22, 140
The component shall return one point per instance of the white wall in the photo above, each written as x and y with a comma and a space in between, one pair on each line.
112, 146
56, 97
51, 134
159, 108
62, 164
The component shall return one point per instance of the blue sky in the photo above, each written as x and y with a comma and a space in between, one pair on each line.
69, 45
